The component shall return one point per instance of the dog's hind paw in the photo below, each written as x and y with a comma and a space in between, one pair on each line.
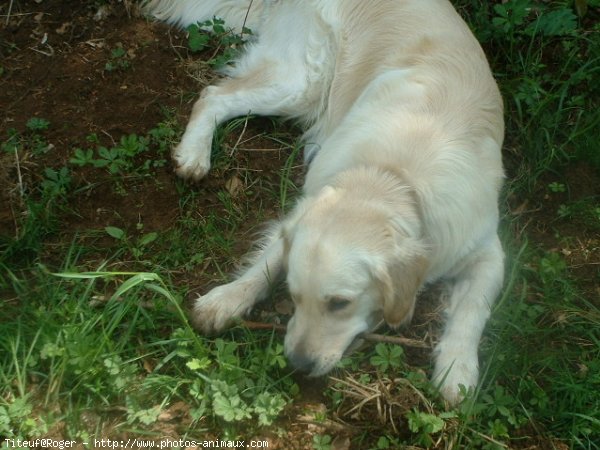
192, 156
190, 166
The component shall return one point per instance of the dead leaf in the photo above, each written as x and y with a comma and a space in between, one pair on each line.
340, 443
520, 209
175, 411
234, 186
148, 366
102, 13
63, 28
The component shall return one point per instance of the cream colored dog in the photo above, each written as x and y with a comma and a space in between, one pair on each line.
404, 131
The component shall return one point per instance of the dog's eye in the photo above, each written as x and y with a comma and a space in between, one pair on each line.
337, 304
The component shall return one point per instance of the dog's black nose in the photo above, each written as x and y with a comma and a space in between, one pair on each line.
301, 362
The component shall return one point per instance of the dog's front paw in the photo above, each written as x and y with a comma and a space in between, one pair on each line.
190, 164
453, 371
219, 308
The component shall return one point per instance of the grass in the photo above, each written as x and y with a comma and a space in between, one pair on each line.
98, 344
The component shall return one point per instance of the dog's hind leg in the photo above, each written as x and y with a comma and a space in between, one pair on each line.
215, 310
473, 293
260, 85
285, 73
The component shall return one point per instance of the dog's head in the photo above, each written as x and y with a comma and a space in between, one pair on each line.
350, 262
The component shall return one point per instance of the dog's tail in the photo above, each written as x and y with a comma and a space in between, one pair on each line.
235, 13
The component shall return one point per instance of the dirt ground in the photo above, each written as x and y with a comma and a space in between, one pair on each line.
54, 54
63, 79
54, 61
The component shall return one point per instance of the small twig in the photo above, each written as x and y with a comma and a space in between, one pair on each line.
371, 337
576, 266
257, 150
397, 340
114, 143
246, 18
327, 424
15, 221
233, 149
127, 8
19, 175
10, 5
489, 438
50, 53
173, 46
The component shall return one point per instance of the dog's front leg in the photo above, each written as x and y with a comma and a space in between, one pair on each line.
217, 309
473, 293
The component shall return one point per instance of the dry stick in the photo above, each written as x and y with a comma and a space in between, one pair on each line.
10, 5
371, 337
263, 326
15, 221
19, 176
397, 340
246, 18
234, 148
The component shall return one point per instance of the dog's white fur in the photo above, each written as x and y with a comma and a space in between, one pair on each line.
404, 131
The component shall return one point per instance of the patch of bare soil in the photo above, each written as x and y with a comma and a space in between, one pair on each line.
58, 64
564, 222
54, 58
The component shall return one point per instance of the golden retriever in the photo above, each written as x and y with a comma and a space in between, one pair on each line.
404, 130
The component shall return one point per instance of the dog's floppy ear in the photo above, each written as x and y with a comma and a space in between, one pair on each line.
325, 196
400, 280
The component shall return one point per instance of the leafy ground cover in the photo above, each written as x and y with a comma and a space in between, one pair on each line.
100, 245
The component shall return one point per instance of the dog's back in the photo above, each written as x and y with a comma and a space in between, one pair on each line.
348, 44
